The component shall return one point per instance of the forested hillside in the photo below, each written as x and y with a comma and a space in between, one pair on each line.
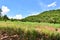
51, 16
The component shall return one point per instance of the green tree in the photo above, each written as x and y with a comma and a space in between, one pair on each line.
0, 12
5, 18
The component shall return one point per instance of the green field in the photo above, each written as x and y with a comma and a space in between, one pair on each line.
30, 31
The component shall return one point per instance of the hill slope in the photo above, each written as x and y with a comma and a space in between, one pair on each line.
51, 16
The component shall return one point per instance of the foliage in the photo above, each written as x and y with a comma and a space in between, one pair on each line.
5, 18
0, 12
51, 16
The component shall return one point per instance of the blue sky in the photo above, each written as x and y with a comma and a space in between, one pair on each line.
23, 8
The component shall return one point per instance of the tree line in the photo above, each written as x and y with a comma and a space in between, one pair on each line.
51, 16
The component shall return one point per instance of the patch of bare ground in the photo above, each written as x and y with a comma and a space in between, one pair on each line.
58, 30
53, 29
5, 36
50, 28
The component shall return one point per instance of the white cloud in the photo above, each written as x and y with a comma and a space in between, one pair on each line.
34, 13
16, 16
52, 4
5, 10
45, 7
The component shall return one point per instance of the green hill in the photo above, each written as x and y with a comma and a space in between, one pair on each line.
51, 16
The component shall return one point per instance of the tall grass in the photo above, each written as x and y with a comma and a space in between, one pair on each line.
27, 30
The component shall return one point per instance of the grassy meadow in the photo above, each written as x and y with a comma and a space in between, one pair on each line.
29, 30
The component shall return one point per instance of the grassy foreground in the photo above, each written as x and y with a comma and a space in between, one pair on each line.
29, 31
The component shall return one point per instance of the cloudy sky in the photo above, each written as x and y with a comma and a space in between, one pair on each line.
22, 8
